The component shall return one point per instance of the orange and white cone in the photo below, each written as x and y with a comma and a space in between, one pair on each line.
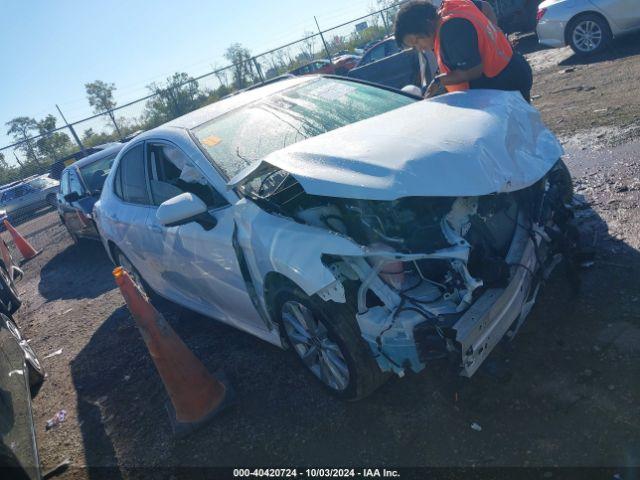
196, 395
26, 250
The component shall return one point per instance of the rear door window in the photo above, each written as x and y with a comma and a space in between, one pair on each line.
130, 179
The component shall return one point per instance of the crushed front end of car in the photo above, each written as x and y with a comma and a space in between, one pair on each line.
435, 263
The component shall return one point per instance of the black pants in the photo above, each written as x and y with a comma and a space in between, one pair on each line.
517, 75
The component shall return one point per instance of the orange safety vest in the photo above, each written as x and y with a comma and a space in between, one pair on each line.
495, 49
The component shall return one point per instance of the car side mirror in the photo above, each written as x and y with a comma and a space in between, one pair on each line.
183, 209
71, 197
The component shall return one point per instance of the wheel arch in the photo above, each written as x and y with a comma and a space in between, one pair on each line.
272, 280
577, 16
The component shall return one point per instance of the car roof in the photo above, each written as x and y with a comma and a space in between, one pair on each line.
94, 157
216, 109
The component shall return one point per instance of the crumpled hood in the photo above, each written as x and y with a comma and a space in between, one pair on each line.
469, 143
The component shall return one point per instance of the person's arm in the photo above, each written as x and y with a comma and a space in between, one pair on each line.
454, 77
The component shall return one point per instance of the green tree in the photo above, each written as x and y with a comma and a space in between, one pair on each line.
21, 128
180, 94
100, 96
52, 145
242, 69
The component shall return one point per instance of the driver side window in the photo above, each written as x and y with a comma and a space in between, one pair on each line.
74, 183
171, 173
64, 183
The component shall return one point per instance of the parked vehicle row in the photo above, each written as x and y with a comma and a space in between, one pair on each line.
301, 213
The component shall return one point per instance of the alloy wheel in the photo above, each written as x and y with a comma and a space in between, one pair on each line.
310, 339
587, 36
29, 354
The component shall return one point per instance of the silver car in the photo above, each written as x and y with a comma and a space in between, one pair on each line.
587, 26
29, 196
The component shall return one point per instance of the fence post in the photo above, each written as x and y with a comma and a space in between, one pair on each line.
259, 70
113, 119
384, 20
323, 42
73, 132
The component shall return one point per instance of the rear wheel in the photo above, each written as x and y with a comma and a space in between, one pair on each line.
588, 34
326, 339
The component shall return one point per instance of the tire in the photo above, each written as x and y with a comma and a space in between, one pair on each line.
588, 34
9, 295
337, 341
36, 372
123, 261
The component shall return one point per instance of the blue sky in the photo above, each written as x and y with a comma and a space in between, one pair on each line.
50, 49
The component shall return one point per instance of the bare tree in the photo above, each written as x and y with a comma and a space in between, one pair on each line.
308, 45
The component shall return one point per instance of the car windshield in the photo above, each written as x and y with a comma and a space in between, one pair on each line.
239, 138
95, 173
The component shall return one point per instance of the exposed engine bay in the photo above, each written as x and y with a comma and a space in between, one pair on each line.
443, 277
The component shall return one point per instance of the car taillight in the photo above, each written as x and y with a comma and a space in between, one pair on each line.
540, 14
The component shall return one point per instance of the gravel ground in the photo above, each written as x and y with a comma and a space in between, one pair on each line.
565, 393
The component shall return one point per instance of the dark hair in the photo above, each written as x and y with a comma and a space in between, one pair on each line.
416, 17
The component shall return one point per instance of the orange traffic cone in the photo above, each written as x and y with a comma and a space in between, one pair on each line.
196, 395
26, 250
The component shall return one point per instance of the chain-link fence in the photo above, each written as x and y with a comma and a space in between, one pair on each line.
41, 148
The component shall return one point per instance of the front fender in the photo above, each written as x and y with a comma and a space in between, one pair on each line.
271, 243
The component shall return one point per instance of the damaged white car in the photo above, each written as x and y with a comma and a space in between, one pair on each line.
370, 232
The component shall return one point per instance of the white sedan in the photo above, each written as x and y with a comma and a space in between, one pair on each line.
368, 231
587, 26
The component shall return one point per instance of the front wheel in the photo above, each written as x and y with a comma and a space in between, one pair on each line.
9, 296
588, 34
326, 339
35, 369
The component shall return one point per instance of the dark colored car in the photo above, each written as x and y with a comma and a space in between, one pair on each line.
21, 376
317, 66
80, 187
380, 50
386, 64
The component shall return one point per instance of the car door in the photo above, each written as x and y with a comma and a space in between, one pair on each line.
624, 13
128, 220
72, 214
16, 421
198, 264
17, 200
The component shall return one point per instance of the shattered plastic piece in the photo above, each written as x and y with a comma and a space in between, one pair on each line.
54, 354
476, 427
57, 419
587, 264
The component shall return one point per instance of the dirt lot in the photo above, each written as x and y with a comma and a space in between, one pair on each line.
566, 392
